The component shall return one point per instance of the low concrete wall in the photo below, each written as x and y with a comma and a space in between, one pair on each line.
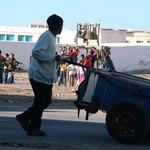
22, 51
129, 58
126, 57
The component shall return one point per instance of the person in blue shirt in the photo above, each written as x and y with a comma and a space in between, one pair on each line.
107, 64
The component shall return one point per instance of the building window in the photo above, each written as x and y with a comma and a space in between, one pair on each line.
2, 37
148, 41
139, 41
127, 41
25, 38
29, 38
10, 37
21, 38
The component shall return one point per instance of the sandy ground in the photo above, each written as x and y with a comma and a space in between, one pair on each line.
21, 91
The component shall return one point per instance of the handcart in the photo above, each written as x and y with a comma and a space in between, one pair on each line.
124, 98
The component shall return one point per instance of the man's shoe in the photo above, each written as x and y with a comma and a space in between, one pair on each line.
36, 132
24, 124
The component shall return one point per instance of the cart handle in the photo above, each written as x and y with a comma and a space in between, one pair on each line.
97, 71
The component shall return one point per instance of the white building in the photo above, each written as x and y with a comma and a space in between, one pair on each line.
20, 34
137, 37
68, 36
20, 41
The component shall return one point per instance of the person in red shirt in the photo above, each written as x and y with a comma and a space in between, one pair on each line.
87, 62
2, 60
73, 53
70, 50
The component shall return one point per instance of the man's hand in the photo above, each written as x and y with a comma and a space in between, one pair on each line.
57, 57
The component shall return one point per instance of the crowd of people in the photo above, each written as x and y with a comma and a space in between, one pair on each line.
67, 74
73, 75
8, 64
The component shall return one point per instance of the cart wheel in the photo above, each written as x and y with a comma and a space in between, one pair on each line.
127, 122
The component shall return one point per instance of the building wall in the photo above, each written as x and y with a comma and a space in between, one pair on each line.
138, 37
129, 57
68, 35
35, 32
113, 36
126, 57
21, 50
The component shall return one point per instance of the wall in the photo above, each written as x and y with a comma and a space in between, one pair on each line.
21, 50
113, 36
67, 36
126, 57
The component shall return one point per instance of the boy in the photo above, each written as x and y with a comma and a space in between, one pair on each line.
41, 75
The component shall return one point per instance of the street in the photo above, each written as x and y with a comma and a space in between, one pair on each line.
64, 131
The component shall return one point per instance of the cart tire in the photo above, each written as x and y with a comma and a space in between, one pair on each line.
127, 122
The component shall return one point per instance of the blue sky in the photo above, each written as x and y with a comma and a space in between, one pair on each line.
116, 14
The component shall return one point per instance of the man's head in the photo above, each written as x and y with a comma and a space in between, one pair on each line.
6, 54
55, 24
